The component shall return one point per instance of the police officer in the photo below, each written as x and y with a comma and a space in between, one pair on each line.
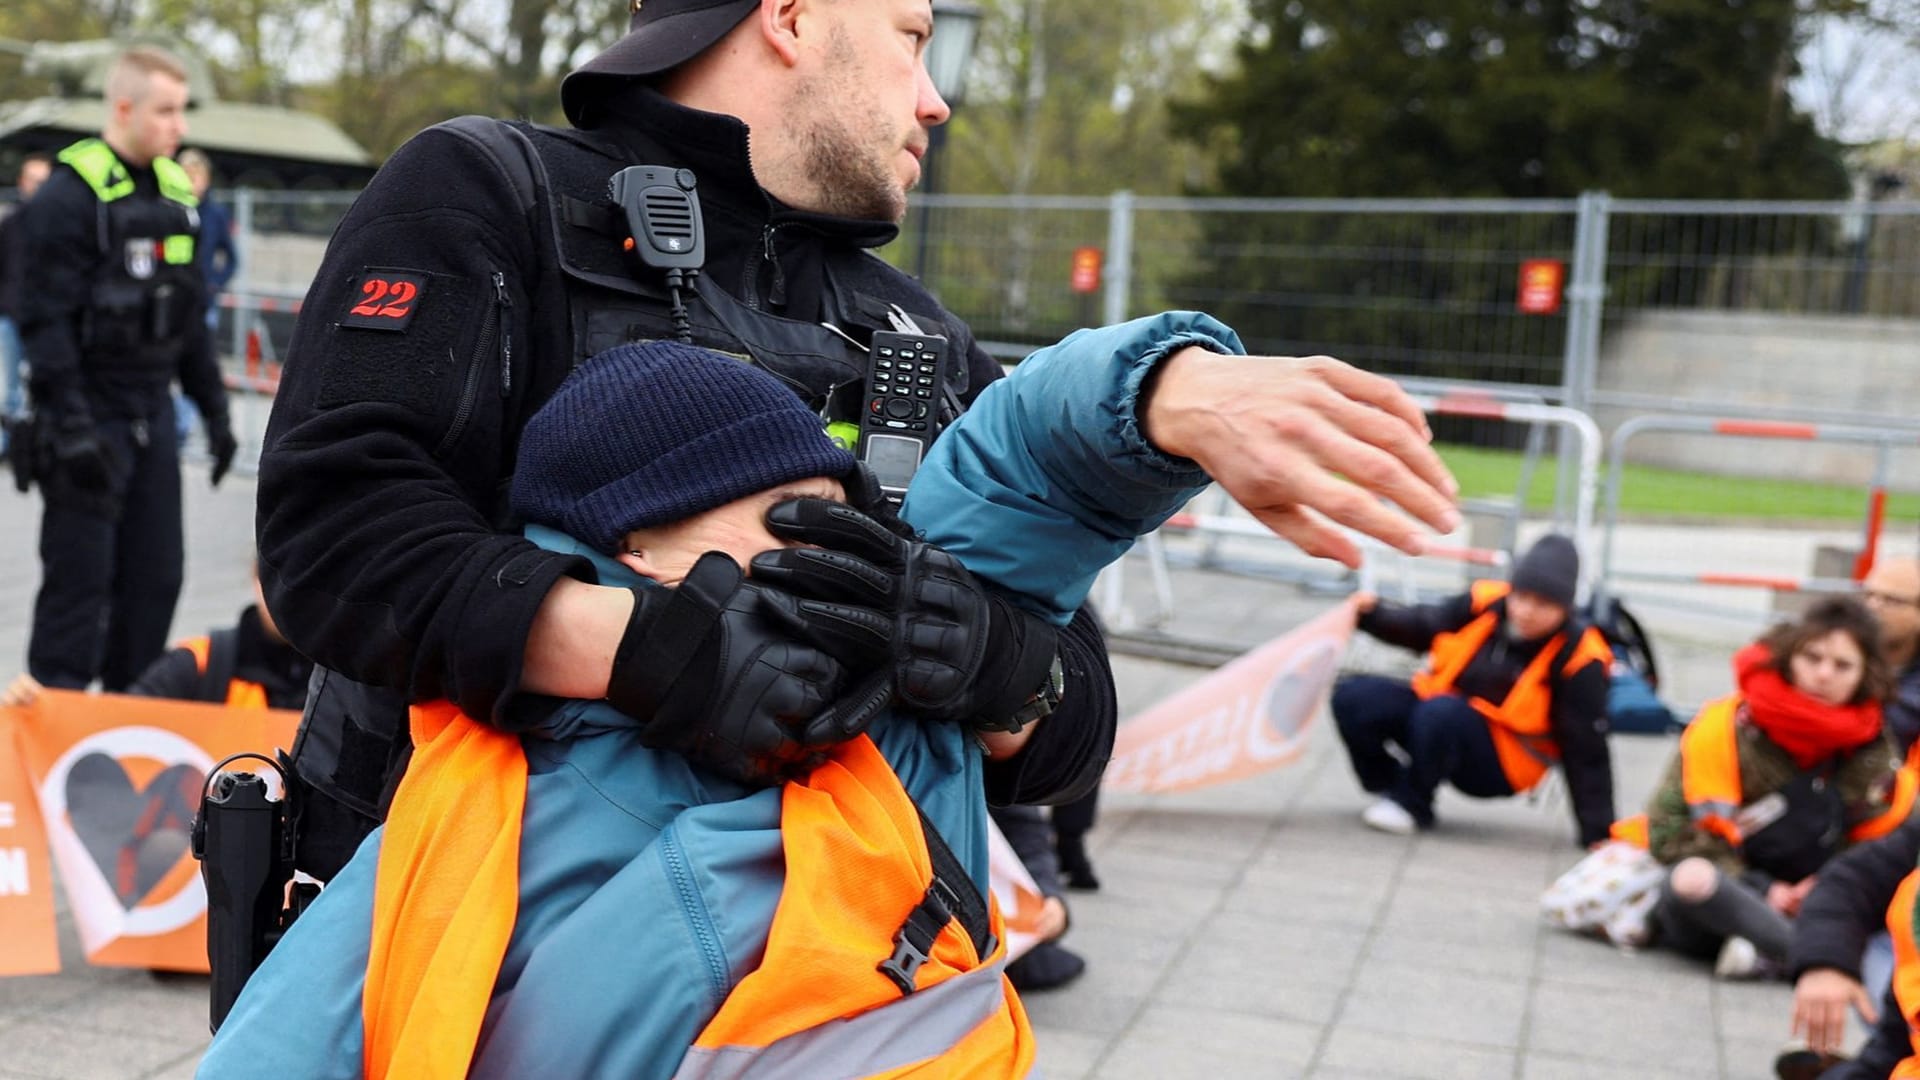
483, 263
112, 318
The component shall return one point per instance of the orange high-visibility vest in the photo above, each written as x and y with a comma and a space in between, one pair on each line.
1521, 724
1710, 781
858, 873
1906, 972
867, 970
241, 694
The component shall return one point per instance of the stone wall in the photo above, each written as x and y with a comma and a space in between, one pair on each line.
1865, 367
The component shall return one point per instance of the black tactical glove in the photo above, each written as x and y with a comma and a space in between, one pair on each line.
960, 652
222, 445
80, 456
746, 680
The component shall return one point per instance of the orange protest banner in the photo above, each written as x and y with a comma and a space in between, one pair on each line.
118, 780
1250, 716
26, 885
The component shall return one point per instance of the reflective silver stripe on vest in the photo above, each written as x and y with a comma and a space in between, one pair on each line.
921, 1026
1698, 810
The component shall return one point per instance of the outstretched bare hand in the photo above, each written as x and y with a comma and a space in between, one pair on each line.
1305, 443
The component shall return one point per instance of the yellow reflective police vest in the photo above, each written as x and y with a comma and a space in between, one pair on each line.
145, 298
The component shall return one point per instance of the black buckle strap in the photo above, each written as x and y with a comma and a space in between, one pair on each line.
593, 217
950, 896
913, 944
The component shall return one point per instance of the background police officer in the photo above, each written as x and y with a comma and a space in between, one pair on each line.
111, 317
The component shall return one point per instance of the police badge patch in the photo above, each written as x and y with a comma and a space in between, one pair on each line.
140, 258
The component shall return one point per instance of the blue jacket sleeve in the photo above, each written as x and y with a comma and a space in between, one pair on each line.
1048, 477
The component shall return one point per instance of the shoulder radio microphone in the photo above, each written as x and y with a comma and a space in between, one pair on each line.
664, 230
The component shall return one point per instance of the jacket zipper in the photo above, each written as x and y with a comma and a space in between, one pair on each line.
471, 388
503, 305
777, 292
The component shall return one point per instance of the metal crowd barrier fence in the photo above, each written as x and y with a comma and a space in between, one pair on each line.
1723, 567
251, 373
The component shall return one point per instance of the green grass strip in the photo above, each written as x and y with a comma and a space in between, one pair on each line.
1652, 491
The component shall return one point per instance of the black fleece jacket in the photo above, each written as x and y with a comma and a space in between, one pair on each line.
384, 548
1578, 715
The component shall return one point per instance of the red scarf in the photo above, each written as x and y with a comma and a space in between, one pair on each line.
1809, 729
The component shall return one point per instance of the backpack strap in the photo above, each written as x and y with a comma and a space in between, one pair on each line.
510, 150
951, 895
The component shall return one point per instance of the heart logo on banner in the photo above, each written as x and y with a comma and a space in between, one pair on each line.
134, 835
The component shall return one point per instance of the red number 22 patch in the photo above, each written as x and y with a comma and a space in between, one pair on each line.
386, 300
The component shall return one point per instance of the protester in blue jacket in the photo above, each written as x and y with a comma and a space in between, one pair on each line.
647, 883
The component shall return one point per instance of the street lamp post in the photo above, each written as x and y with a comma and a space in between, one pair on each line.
956, 25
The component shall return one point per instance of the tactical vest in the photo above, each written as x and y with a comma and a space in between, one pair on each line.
612, 301
146, 294
1521, 722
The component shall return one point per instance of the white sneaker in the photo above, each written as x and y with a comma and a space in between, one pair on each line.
1738, 959
1389, 817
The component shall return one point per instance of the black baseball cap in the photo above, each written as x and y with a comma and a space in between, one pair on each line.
661, 34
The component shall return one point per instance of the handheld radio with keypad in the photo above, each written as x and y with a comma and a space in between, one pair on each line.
901, 413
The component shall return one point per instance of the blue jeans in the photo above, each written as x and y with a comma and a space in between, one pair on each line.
1442, 739
12, 354
13, 390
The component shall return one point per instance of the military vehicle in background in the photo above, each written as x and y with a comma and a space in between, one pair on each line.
253, 146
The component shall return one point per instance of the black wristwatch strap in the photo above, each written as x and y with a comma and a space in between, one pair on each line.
1037, 707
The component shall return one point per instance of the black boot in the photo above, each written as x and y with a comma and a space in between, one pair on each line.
1800, 1063
1044, 967
1074, 865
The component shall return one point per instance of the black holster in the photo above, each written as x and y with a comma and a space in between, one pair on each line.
244, 841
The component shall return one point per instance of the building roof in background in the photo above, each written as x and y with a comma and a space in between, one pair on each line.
216, 126
252, 145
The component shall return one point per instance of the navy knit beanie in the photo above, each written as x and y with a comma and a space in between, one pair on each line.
1551, 568
651, 433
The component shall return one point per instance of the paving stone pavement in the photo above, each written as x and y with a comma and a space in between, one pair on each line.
1253, 930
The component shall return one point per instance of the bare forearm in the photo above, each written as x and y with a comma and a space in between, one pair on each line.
574, 636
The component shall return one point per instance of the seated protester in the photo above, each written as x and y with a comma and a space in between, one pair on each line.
574, 903
247, 665
1514, 683
1838, 921
1770, 783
